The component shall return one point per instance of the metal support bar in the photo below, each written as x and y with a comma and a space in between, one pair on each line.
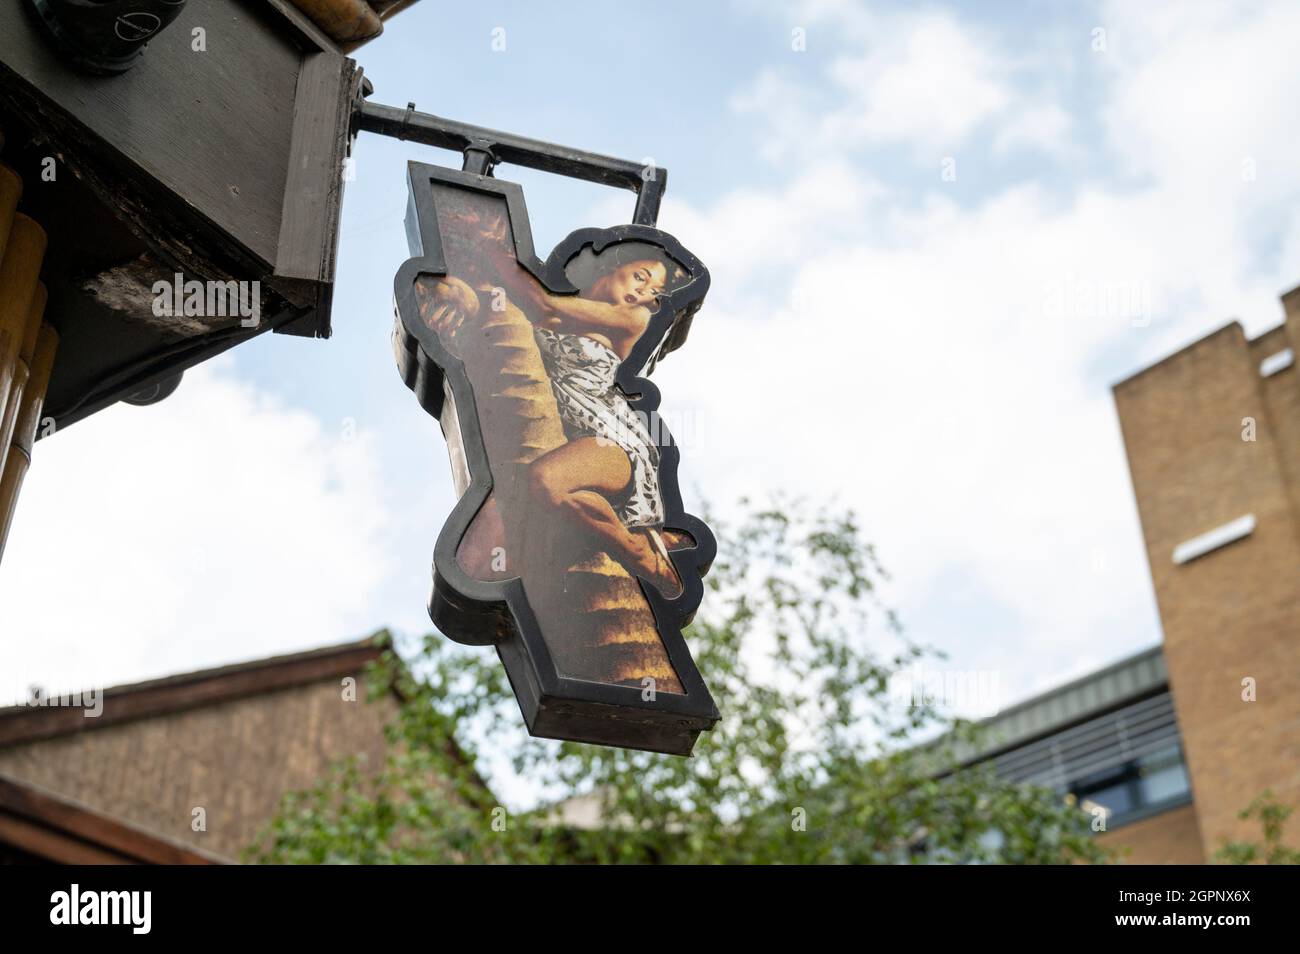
485, 148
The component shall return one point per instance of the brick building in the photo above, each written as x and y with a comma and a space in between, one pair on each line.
124, 786
1110, 739
1213, 440
1175, 741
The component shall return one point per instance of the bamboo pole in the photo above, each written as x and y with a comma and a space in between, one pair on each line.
11, 190
22, 302
19, 275
22, 370
18, 460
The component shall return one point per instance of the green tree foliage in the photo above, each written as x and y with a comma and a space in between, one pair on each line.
815, 759
1272, 816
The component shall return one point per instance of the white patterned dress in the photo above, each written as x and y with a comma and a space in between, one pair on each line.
582, 376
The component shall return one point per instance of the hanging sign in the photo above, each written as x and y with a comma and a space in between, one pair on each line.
568, 548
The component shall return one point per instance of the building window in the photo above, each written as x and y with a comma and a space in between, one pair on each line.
1128, 760
1163, 776
1136, 788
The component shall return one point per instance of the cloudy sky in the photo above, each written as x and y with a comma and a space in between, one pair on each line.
938, 235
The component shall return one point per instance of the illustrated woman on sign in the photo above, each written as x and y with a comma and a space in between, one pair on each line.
605, 479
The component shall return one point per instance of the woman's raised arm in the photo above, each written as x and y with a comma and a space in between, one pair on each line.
624, 321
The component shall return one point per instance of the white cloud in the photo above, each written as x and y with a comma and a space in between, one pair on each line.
945, 367
1044, 128
924, 80
215, 527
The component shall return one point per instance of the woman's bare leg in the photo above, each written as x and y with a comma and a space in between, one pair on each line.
574, 479
482, 553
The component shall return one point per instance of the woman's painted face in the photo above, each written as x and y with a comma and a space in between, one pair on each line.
636, 283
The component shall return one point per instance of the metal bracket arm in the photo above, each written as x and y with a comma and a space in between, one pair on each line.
484, 148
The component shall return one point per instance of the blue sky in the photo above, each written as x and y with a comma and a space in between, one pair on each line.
940, 232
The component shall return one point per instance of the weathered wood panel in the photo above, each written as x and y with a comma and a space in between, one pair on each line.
213, 126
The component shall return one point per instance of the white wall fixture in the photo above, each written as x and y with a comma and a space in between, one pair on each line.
1207, 542
1277, 362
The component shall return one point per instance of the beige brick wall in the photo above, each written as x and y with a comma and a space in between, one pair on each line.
1234, 613
1281, 400
235, 759
1170, 838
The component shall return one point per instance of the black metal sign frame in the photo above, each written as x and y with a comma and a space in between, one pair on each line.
497, 612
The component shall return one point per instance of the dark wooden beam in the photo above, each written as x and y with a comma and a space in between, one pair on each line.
313, 194
61, 830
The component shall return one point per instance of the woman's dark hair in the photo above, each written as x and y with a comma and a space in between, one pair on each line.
591, 266
585, 268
